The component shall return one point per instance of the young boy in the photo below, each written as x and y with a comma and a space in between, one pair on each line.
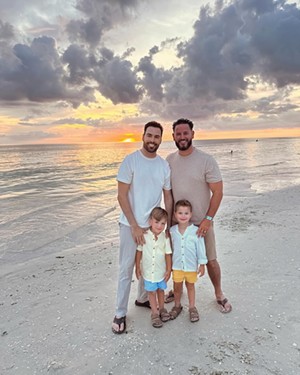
189, 258
153, 262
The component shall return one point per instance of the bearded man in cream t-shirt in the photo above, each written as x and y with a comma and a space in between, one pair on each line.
195, 176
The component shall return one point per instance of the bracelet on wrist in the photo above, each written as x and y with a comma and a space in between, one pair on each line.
210, 218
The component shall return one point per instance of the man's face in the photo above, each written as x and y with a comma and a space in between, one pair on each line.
183, 136
152, 139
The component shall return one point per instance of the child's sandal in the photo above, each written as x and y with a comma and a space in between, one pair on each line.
164, 315
194, 315
156, 321
175, 312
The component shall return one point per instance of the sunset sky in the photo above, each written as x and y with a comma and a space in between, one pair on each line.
97, 70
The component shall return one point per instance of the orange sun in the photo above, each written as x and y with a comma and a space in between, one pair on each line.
127, 140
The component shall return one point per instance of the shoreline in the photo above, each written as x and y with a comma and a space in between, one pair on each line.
56, 310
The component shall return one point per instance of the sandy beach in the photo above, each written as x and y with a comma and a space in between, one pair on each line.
56, 310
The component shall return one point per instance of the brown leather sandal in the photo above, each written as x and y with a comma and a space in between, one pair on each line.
164, 315
194, 315
156, 321
175, 312
169, 297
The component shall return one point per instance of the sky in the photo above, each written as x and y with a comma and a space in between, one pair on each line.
98, 70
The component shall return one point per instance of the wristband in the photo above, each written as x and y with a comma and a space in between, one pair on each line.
210, 218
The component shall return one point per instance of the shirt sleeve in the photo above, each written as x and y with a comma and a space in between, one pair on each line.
167, 183
168, 246
125, 172
201, 252
212, 173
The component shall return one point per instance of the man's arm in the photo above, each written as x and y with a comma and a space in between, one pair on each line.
168, 199
137, 232
215, 201
216, 198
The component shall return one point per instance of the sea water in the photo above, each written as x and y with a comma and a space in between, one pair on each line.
58, 197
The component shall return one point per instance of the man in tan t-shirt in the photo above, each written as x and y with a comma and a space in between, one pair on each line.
195, 176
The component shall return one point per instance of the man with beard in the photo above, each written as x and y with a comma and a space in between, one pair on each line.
143, 178
195, 176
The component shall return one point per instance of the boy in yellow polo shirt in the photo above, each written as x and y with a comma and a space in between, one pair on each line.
153, 261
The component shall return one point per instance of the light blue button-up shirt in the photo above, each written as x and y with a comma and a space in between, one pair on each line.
188, 249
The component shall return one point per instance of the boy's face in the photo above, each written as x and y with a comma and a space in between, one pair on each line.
183, 214
157, 226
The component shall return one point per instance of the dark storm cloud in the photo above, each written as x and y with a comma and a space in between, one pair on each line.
231, 43
41, 71
116, 78
99, 16
153, 78
35, 72
6, 31
244, 38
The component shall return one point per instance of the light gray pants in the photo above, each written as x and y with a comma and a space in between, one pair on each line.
126, 266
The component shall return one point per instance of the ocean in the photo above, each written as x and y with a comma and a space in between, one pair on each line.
55, 198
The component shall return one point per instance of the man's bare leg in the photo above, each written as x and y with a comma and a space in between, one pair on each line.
214, 272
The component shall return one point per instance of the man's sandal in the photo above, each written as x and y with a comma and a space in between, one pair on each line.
194, 315
119, 321
156, 321
164, 315
169, 297
225, 306
142, 304
175, 312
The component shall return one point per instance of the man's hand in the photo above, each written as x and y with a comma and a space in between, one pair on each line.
138, 234
203, 227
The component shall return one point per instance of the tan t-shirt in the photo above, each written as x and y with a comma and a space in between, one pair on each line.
190, 176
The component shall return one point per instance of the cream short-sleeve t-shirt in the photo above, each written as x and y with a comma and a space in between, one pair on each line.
190, 176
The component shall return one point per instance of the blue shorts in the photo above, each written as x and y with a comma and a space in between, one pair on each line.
152, 287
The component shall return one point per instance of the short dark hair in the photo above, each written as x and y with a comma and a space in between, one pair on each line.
153, 124
183, 203
158, 213
183, 121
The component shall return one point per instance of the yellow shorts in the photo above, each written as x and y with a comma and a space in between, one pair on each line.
180, 276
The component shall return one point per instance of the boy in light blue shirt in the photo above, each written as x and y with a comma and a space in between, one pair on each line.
189, 258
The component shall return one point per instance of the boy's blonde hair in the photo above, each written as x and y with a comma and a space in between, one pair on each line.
183, 203
158, 213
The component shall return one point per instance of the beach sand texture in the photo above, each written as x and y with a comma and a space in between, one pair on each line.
56, 311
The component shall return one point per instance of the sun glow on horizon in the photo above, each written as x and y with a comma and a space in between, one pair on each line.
128, 140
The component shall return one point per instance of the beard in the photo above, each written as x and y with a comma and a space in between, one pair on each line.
152, 149
184, 147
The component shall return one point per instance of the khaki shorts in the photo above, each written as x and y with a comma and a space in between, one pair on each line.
210, 243
180, 276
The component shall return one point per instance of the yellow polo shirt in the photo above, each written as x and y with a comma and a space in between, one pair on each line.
153, 259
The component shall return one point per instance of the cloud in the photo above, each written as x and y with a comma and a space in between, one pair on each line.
36, 73
6, 31
231, 42
116, 78
99, 16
